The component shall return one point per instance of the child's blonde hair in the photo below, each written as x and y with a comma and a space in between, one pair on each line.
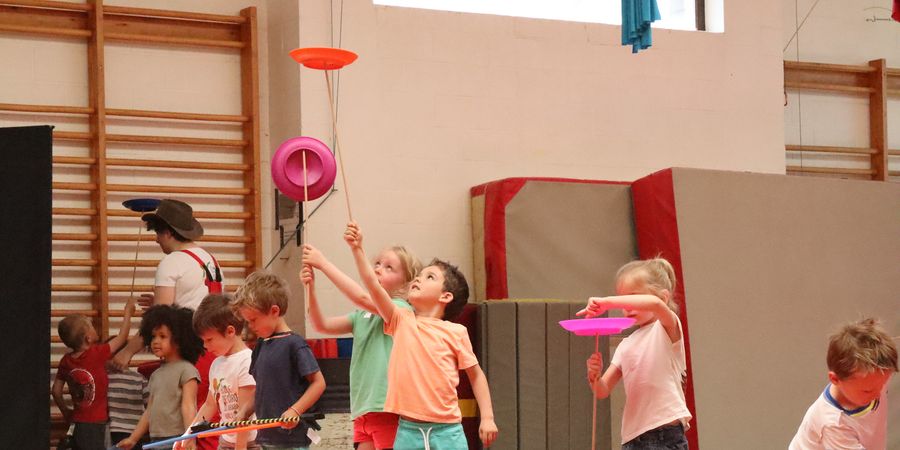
655, 275
411, 266
262, 290
72, 329
861, 347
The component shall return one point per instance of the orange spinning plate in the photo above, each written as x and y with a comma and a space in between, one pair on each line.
323, 58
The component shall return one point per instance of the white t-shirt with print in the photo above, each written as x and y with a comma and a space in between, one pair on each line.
226, 375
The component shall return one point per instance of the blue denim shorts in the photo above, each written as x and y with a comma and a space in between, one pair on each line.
666, 437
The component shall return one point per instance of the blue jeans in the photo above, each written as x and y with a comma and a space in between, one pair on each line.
666, 437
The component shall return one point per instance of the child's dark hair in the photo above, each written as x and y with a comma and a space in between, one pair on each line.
454, 283
157, 224
215, 313
178, 319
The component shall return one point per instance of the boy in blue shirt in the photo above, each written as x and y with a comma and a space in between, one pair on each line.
288, 380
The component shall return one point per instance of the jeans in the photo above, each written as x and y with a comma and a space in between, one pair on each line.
666, 437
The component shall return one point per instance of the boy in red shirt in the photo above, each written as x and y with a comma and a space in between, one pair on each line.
84, 370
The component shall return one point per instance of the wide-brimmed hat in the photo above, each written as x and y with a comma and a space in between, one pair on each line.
178, 215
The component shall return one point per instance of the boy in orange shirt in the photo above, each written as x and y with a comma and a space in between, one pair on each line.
429, 351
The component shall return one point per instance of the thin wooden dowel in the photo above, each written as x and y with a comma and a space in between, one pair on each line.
74, 160
148, 288
174, 140
174, 115
193, 42
155, 262
127, 213
305, 198
71, 136
47, 4
45, 31
174, 189
304, 230
74, 288
74, 212
822, 67
337, 145
65, 186
206, 238
828, 87
69, 312
55, 109
137, 249
169, 164
73, 262
832, 170
829, 149
74, 236
594, 395
196, 17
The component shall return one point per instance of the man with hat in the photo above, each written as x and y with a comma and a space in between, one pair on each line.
184, 277
187, 273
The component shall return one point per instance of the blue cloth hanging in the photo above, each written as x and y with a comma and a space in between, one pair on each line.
637, 15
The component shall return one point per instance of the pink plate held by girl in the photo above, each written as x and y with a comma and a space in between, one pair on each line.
598, 326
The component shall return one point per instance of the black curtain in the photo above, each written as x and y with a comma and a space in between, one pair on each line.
25, 241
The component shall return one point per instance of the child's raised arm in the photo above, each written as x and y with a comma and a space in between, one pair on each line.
487, 430
637, 302
322, 324
383, 303
359, 296
120, 339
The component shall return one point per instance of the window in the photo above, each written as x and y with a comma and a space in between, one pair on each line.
676, 14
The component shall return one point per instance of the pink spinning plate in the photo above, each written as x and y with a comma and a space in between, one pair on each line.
287, 168
597, 326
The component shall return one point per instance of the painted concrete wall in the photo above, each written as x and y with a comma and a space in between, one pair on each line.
439, 102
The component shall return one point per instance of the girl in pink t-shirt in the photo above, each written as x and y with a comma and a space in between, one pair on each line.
651, 361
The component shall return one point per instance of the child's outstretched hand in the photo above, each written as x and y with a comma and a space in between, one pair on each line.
594, 367
313, 257
487, 432
594, 308
307, 275
130, 306
353, 235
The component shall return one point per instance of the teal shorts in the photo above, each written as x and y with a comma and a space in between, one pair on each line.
430, 436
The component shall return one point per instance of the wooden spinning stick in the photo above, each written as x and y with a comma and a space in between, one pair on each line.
337, 145
594, 395
136, 251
